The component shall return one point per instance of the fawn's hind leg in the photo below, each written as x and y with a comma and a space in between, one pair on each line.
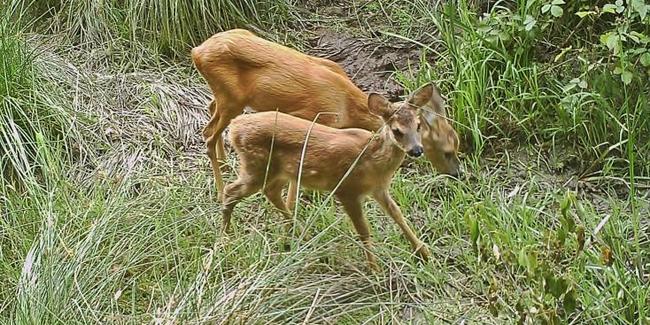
233, 193
352, 206
273, 192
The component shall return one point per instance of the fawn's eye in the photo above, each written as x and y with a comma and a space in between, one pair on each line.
419, 126
397, 132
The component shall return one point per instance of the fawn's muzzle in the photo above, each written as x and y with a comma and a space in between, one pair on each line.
416, 151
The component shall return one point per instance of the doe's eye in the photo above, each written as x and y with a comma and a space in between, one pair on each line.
397, 132
419, 127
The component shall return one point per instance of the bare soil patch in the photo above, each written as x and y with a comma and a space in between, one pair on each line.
370, 62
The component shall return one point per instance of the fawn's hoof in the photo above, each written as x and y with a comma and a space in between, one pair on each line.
423, 253
374, 267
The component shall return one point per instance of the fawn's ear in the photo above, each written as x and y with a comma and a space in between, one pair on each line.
430, 103
379, 105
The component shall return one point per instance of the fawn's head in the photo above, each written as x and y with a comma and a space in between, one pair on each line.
402, 123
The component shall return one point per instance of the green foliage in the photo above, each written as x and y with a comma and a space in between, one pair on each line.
626, 38
170, 26
128, 232
509, 73
31, 123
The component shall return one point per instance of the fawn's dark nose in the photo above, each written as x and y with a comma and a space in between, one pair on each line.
416, 151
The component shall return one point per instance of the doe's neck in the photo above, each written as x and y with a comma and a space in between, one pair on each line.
359, 116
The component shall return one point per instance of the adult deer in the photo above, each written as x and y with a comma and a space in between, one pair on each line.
244, 70
269, 146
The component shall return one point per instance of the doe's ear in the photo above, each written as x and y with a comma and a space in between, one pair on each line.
421, 96
438, 102
430, 103
379, 105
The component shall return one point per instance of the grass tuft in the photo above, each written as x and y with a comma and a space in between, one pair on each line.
107, 213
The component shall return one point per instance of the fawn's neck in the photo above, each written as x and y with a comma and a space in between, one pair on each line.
387, 155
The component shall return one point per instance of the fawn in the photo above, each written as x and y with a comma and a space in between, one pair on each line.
330, 152
244, 70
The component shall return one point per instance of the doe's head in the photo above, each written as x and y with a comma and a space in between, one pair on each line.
436, 138
439, 138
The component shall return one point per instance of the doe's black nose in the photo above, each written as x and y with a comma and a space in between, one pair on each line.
417, 151
458, 173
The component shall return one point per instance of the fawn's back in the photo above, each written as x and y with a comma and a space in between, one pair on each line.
277, 140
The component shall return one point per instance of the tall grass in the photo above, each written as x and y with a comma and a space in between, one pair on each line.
114, 220
32, 124
169, 27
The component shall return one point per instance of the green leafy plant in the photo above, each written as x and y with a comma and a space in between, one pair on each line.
555, 8
627, 40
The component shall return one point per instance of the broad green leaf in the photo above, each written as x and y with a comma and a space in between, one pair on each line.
474, 230
529, 23
531, 266
640, 7
626, 77
523, 258
556, 11
645, 59
554, 286
570, 301
546, 8
529, 27
617, 70
583, 14
641, 37
558, 2
610, 8
583, 84
566, 202
504, 36
560, 235
611, 39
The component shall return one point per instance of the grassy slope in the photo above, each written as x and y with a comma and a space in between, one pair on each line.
117, 223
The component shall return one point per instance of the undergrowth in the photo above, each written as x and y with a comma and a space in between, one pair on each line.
107, 211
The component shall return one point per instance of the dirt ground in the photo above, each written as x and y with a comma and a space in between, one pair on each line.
369, 62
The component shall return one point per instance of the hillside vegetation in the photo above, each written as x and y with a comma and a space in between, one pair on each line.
107, 204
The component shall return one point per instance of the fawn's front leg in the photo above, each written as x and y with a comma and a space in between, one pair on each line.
390, 207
